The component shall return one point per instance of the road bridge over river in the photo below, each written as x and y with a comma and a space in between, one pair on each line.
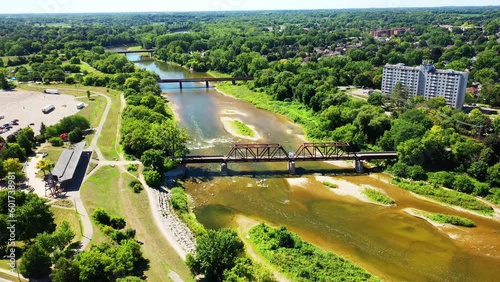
204, 79
319, 151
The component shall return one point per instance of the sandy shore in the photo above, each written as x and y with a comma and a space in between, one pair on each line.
342, 164
300, 181
345, 188
228, 126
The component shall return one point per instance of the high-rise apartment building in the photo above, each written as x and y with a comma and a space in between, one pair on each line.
428, 82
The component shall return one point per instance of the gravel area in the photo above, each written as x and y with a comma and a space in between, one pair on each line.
26, 106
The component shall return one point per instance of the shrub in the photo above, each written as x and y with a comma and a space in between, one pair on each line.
132, 167
56, 141
417, 173
138, 188
179, 200
153, 178
331, 185
76, 135
378, 197
117, 222
101, 216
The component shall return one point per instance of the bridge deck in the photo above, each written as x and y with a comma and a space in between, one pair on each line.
203, 79
135, 51
345, 156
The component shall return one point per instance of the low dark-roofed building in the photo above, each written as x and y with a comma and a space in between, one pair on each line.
67, 163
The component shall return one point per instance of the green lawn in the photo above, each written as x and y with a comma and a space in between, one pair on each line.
53, 152
108, 189
94, 109
70, 215
107, 140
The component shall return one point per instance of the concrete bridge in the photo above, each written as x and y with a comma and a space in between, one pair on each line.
319, 151
204, 79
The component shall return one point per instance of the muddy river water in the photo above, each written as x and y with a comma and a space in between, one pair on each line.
386, 241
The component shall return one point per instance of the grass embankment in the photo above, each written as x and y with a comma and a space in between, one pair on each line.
107, 141
109, 188
94, 109
450, 197
295, 111
53, 153
446, 219
302, 261
71, 216
242, 129
378, 197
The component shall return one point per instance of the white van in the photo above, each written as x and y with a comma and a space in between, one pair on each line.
47, 109
80, 105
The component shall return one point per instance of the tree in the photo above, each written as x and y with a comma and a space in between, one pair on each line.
494, 175
45, 165
478, 170
16, 167
65, 270
35, 262
154, 159
463, 183
14, 151
376, 99
34, 217
400, 94
88, 94
76, 135
216, 252
153, 178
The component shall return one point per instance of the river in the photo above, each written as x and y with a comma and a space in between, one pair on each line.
386, 241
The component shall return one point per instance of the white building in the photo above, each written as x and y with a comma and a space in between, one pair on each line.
428, 82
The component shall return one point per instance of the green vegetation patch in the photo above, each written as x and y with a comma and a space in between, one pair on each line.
302, 261
331, 185
179, 202
242, 128
378, 197
70, 216
94, 109
450, 197
445, 218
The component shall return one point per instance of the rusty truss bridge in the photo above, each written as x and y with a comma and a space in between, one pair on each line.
319, 151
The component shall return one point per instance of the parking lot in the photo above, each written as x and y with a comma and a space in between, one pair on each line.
26, 107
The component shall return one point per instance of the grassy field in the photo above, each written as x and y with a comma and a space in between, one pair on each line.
86, 67
7, 276
108, 183
242, 128
94, 109
70, 215
107, 140
378, 197
446, 219
53, 153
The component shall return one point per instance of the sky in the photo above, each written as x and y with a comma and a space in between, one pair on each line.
102, 6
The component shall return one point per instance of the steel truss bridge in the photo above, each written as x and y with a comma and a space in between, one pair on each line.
318, 151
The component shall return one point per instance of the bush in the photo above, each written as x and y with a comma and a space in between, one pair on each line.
101, 216
153, 178
56, 141
400, 170
417, 173
132, 167
378, 197
443, 178
117, 222
136, 185
76, 135
179, 200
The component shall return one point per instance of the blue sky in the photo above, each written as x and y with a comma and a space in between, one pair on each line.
85, 6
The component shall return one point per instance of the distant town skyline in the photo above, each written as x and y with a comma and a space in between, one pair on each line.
100, 6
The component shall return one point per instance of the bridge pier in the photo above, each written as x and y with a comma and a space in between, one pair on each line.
180, 84
291, 167
206, 84
358, 164
223, 168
